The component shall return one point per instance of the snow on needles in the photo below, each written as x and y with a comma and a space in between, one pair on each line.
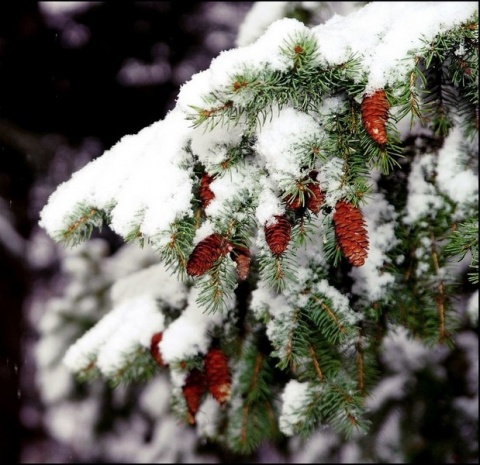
384, 32
140, 180
144, 184
118, 334
127, 178
294, 397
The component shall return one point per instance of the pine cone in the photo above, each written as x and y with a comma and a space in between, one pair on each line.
350, 232
193, 390
312, 197
155, 350
293, 203
217, 375
206, 253
241, 256
205, 194
315, 197
277, 234
374, 110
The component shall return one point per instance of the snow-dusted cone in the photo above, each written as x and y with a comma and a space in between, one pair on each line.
374, 110
205, 193
241, 256
206, 253
193, 389
350, 232
217, 375
277, 234
155, 350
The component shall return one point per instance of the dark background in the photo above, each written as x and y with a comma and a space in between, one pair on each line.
64, 99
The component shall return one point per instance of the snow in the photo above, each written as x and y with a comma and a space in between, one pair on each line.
294, 400
384, 32
126, 176
423, 201
455, 178
472, 308
171, 292
119, 334
371, 280
277, 140
125, 179
188, 335
258, 18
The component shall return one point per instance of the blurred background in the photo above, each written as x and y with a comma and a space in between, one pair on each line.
74, 78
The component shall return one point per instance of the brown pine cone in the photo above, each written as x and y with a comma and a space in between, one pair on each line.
206, 253
241, 256
277, 234
350, 232
217, 375
294, 203
205, 194
193, 389
374, 109
315, 197
155, 350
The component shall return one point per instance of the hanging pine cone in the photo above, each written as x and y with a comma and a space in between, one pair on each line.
374, 110
205, 194
193, 389
277, 234
350, 232
217, 375
206, 253
294, 203
155, 350
241, 256
315, 196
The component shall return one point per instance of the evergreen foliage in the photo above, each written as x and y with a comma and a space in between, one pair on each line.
306, 319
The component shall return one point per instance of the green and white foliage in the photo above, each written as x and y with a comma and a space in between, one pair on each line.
304, 332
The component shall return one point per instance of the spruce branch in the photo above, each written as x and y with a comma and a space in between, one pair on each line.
464, 240
175, 251
138, 366
253, 413
81, 224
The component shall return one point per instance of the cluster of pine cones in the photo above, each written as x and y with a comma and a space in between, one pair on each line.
214, 378
348, 221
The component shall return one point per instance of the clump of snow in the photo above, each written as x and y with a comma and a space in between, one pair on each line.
383, 33
423, 200
189, 335
371, 280
294, 400
126, 176
155, 281
454, 178
117, 335
277, 140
